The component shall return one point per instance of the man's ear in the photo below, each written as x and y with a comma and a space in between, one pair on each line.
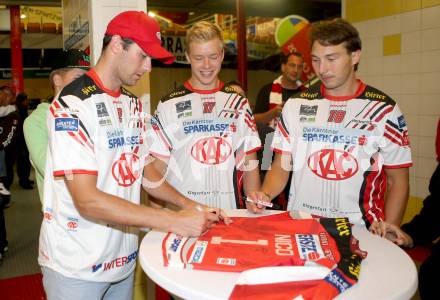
187, 56
356, 57
57, 81
116, 44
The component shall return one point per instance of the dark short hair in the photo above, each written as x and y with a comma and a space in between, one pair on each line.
335, 32
285, 57
107, 39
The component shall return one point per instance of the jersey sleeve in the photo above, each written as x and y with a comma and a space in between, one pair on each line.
282, 142
248, 129
161, 142
71, 144
395, 146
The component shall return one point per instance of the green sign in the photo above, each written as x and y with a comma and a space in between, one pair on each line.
27, 73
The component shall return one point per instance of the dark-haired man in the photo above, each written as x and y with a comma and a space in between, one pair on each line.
98, 144
271, 97
347, 141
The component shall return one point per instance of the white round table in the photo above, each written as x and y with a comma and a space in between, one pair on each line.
387, 272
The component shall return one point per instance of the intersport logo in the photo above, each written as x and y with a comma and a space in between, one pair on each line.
333, 164
211, 150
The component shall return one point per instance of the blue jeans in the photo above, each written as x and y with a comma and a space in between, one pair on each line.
59, 287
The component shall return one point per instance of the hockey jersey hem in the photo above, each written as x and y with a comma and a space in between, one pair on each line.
74, 171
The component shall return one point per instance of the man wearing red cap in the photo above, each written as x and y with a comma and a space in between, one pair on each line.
98, 142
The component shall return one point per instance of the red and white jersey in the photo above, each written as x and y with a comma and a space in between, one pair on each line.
99, 132
205, 135
340, 147
275, 240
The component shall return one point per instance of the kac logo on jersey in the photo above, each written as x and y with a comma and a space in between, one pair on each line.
211, 150
66, 124
333, 164
126, 170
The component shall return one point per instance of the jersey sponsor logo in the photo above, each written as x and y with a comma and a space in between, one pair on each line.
308, 110
175, 243
211, 150
105, 122
72, 224
208, 107
182, 106
101, 110
375, 95
401, 121
309, 247
116, 263
89, 89
214, 127
333, 164
336, 116
198, 252
405, 138
66, 124
309, 95
343, 226
337, 280
124, 140
95, 268
126, 170
335, 136
307, 113
48, 215
119, 111
226, 261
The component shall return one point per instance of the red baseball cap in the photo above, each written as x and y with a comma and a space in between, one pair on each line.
142, 29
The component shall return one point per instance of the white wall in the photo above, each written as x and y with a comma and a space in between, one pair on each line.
412, 78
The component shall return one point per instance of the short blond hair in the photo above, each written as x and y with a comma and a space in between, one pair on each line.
203, 31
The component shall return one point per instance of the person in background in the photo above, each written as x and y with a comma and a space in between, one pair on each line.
272, 96
67, 66
207, 132
423, 229
99, 140
9, 122
347, 141
10, 112
23, 163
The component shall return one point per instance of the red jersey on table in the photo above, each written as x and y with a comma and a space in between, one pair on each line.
247, 243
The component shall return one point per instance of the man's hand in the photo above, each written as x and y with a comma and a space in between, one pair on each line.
252, 200
392, 233
190, 222
201, 207
274, 112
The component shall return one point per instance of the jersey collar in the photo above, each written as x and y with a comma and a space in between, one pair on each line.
358, 92
214, 90
94, 76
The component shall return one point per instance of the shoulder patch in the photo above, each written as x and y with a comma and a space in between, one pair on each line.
83, 87
312, 93
372, 93
229, 89
179, 92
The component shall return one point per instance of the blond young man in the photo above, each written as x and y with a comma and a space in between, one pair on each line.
207, 132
